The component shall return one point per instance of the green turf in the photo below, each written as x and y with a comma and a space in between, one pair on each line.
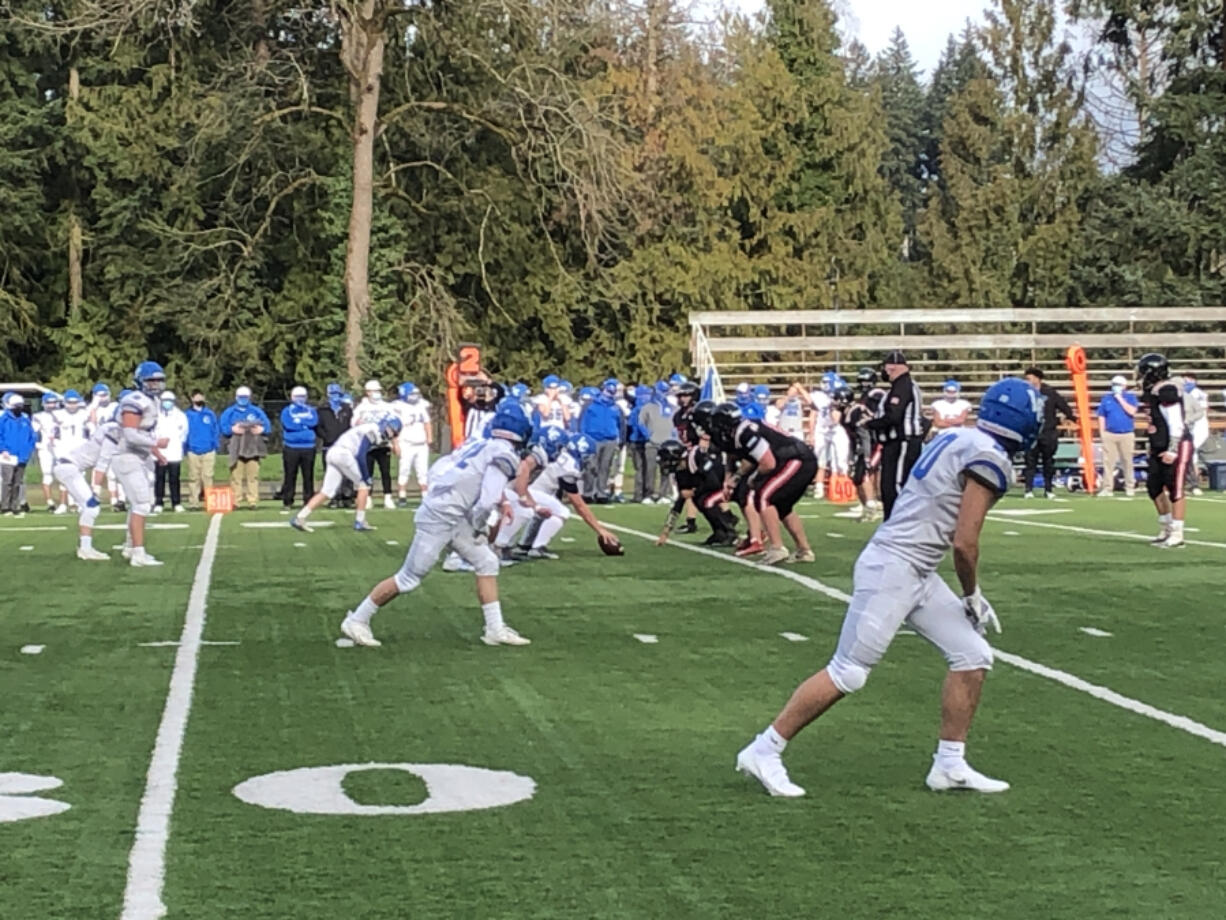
637, 811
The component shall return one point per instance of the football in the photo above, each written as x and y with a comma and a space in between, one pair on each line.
610, 547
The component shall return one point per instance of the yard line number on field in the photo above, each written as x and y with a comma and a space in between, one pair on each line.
1105, 694
142, 897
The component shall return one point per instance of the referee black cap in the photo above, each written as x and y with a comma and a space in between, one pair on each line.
894, 357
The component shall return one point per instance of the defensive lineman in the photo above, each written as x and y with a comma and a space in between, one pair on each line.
348, 460
953, 484
464, 502
138, 448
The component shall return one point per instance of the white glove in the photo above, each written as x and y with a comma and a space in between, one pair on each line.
980, 612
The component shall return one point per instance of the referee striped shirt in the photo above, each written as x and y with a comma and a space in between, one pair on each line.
901, 415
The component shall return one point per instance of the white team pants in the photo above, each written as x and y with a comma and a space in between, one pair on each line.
559, 514
73, 480
888, 591
415, 457
46, 463
429, 544
341, 465
823, 439
839, 452
133, 475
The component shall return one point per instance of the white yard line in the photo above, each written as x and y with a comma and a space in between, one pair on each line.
1183, 723
1091, 531
142, 898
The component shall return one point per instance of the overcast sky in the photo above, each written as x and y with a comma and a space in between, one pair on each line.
926, 25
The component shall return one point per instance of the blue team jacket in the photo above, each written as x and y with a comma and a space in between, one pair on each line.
298, 423
602, 420
236, 414
203, 432
17, 435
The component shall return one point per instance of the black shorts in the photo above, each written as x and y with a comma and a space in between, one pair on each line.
741, 493
1169, 477
786, 485
686, 480
865, 464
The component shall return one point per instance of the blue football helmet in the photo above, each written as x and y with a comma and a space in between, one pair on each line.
587, 394
581, 447
520, 391
830, 382
552, 380
610, 386
744, 394
1012, 412
566, 387
51, 400
762, 393
125, 393
552, 440
71, 396
677, 379
662, 389
100, 388
510, 423
952, 385
149, 378
389, 427
408, 392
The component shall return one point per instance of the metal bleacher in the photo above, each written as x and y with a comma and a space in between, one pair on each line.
977, 346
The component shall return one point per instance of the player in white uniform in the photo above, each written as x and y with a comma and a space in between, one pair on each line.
464, 502
944, 502
44, 428
552, 409
951, 410
554, 465
138, 449
71, 430
69, 470
348, 460
415, 436
823, 429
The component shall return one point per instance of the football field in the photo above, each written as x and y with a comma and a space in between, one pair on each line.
176, 701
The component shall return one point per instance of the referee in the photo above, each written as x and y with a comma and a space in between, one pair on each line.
899, 428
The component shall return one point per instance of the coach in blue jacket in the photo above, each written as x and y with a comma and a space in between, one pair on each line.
604, 423
298, 423
17, 440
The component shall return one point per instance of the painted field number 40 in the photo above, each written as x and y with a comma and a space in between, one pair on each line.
450, 787
17, 803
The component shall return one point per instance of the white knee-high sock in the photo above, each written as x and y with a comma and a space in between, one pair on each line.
549, 529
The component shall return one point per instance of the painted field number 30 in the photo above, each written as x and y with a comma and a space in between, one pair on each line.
17, 803
451, 787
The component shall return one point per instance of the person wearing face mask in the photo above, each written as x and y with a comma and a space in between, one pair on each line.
335, 418
299, 422
372, 409
17, 440
245, 424
1117, 430
203, 442
602, 422
171, 425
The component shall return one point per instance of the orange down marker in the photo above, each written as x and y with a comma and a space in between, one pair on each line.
1075, 361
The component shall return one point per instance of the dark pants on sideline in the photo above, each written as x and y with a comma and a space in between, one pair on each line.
382, 457
165, 473
12, 478
294, 459
1044, 451
596, 475
897, 458
638, 462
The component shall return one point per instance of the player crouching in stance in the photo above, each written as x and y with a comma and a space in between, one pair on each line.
346, 460
138, 448
700, 478
464, 502
956, 480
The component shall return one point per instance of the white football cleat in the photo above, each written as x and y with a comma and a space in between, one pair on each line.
359, 632
1163, 535
453, 563
962, 777
1175, 539
389, 503
61, 509
126, 552
504, 636
143, 559
298, 524
774, 555
91, 555
767, 769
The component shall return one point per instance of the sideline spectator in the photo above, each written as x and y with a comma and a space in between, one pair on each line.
335, 417
171, 425
245, 424
203, 442
636, 437
299, 422
951, 410
656, 419
373, 408
1196, 415
1044, 449
602, 422
17, 440
1117, 430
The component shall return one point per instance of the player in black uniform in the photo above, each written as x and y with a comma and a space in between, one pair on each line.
700, 479
778, 467
1170, 446
852, 412
687, 399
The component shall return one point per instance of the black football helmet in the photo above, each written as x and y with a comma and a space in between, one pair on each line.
865, 378
844, 397
689, 391
873, 399
670, 454
1151, 368
700, 418
724, 422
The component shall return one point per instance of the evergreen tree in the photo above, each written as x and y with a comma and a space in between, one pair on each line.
903, 103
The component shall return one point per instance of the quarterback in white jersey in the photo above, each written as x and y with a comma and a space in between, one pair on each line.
553, 466
463, 504
69, 471
138, 449
415, 437
952, 486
